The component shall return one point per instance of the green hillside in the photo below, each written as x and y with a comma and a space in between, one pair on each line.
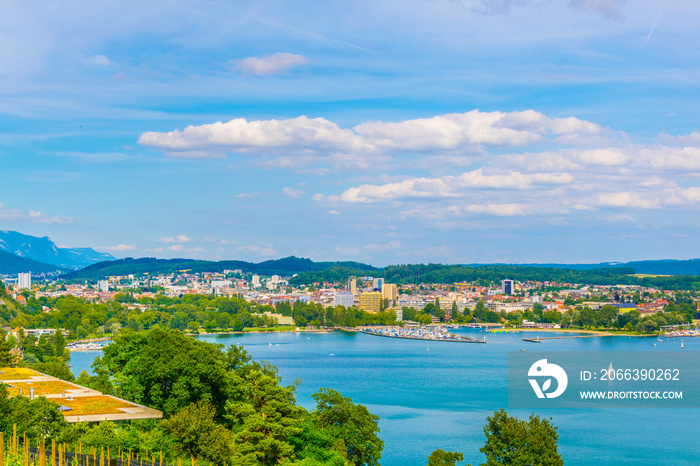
11, 264
9, 308
285, 267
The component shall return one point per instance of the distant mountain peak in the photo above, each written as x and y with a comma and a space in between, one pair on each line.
42, 249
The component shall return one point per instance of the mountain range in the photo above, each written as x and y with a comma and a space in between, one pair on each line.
41, 255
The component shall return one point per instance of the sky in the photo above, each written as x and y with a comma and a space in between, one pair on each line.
383, 131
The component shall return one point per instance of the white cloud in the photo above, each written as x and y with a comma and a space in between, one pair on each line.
175, 239
449, 186
239, 135
175, 247
318, 137
119, 247
276, 63
31, 215
691, 139
245, 195
98, 60
225, 242
333, 212
293, 193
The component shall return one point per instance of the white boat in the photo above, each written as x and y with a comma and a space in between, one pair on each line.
611, 372
682, 347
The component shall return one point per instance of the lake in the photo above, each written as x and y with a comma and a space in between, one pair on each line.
438, 394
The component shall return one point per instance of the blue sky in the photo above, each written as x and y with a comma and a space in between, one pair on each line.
378, 131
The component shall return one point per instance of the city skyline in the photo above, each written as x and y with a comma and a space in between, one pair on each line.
384, 132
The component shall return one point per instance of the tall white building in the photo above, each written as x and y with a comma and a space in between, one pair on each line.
24, 281
103, 285
343, 298
378, 284
256, 281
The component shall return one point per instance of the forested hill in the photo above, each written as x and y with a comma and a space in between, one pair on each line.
284, 267
488, 274
655, 267
11, 264
310, 272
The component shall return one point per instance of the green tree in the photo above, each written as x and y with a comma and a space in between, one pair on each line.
163, 369
38, 418
59, 343
6, 357
263, 416
455, 310
480, 311
511, 441
352, 423
444, 458
197, 434
56, 368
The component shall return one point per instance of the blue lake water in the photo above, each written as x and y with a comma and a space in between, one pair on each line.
438, 394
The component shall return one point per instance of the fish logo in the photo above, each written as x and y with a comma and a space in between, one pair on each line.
542, 368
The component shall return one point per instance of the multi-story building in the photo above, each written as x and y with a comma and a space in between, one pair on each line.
378, 284
390, 292
507, 287
103, 285
256, 281
24, 281
343, 298
352, 286
371, 301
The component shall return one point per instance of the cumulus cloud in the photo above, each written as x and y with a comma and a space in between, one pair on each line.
175, 239
239, 135
270, 64
245, 195
449, 186
293, 193
305, 136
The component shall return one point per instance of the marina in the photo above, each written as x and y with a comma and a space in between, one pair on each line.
422, 333
88, 345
